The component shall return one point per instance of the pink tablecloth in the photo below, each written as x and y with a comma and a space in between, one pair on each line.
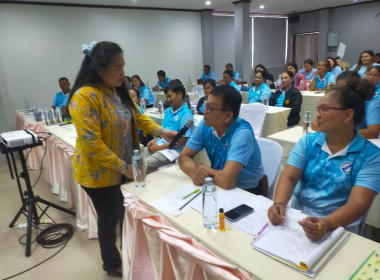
154, 249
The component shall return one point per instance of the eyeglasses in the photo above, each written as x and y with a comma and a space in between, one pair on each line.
323, 109
207, 108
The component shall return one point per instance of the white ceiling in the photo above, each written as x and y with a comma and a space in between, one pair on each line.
270, 6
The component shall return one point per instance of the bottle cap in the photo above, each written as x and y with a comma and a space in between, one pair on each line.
208, 180
221, 210
136, 151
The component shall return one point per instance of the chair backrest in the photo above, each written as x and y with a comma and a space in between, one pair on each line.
254, 113
154, 100
271, 155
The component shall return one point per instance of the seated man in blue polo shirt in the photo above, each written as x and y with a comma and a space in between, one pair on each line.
207, 74
229, 142
162, 81
175, 118
59, 98
235, 74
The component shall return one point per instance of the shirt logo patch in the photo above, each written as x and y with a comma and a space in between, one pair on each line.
346, 167
287, 101
176, 118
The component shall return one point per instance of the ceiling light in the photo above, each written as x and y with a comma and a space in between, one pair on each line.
208, 2
261, 6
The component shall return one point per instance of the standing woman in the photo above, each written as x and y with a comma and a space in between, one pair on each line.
336, 170
365, 63
208, 86
374, 78
144, 91
292, 67
260, 89
323, 77
288, 96
106, 120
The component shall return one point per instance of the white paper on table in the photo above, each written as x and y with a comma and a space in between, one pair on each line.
72, 134
170, 154
172, 201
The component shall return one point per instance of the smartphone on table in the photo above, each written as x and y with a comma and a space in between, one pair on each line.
238, 212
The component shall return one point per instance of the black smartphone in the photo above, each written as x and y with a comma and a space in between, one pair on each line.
238, 212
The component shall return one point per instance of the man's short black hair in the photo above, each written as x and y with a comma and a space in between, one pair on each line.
176, 86
63, 78
161, 73
231, 98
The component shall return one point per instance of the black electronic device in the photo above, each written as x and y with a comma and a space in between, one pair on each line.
189, 123
238, 212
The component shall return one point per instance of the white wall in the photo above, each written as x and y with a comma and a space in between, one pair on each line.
39, 44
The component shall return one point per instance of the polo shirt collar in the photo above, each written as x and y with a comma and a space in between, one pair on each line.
356, 144
229, 130
179, 109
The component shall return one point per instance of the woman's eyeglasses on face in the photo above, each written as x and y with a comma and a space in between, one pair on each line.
208, 109
323, 109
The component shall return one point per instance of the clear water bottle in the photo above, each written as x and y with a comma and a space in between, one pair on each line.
302, 85
143, 104
51, 116
58, 115
266, 99
210, 205
278, 81
26, 103
34, 107
306, 122
161, 109
194, 109
46, 116
138, 169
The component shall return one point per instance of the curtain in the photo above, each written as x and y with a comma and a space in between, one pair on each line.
305, 46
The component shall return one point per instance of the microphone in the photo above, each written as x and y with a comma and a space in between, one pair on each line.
189, 123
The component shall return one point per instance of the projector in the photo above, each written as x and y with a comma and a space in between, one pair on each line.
19, 138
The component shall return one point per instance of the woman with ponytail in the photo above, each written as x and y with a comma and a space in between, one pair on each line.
337, 169
106, 121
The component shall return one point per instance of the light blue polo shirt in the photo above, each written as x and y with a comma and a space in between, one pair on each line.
362, 69
59, 99
327, 181
376, 96
372, 114
308, 76
237, 144
164, 84
236, 76
336, 70
146, 94
66, 101
257, 95
175, 120
234, 85
280, 100
322, 83
210, 76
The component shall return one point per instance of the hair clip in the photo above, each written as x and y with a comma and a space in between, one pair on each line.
88, 50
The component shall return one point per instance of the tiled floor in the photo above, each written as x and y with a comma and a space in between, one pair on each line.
80, 259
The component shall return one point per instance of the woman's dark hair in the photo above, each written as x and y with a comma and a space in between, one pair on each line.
161, 73
334, 60
211, 82
231, 98
327, 64
347, 74
266, 73
309, 61
290, 73
262, 74
229, 73
138, 94
375, 67
103, 54
142, 84
293, 64
177, 87
353, 95
359, 64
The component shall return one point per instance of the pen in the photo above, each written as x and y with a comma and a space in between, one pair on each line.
186, 196
189, 201
262, 230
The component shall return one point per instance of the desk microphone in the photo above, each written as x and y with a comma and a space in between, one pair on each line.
189, 123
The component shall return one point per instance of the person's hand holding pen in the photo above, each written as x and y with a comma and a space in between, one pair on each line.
276, 213
315, 228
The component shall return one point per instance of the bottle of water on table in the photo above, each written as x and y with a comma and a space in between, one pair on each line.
306, 122
161, 109
143, 105
138, 169
266, 100
210, 205
46, 116
26, 103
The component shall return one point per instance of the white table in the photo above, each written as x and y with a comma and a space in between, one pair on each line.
232, 245
310, 100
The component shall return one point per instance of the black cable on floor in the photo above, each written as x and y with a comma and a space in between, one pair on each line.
52, 237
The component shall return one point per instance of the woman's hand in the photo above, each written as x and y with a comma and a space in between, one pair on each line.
128, 172
315, 228
169, 135
276, 213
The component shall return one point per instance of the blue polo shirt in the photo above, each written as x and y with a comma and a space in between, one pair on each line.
327, 180
362, 69
280, 100
308, 76
376, 96
322, 83
66, 100
336, 70
164, 84
59, 99
236, 76
258, 94
237, 144
146, 94
175, 120
210, 76
372, 114
234, 85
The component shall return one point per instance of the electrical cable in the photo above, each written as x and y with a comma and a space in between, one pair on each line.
42, 161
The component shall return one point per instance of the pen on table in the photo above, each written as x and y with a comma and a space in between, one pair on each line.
190, 201
261, 231
194, 192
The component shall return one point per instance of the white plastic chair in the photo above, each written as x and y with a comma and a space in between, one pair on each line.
271, 155
254, 113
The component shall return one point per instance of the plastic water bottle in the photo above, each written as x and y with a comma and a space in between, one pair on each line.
161, 109
138, 169
306, 122
58, 115
278, 81
46, 116
143, 104
266, 99
302, 85
210, 205
26, 103
194, 109
51, 116
34, 107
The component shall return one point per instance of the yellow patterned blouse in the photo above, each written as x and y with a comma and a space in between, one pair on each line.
98, 154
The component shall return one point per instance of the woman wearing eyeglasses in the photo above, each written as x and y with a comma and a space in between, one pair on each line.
337, 169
